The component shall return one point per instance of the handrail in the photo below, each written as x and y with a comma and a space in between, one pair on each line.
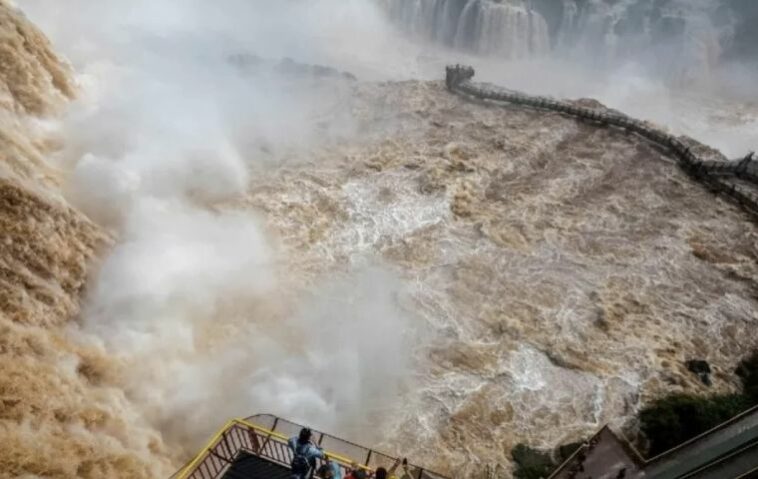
719, 461
458, 80
249, 419
373, 457
703, 435
194, 462
345, 460
370, 452
212, 461
646, 463
208, 446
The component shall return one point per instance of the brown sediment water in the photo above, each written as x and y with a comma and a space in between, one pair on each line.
560, 274
59, 414
569, 270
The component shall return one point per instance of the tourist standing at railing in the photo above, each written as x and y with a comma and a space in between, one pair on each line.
406, 472
305, 454
382, 473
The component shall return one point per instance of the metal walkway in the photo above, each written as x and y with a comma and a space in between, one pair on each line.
728, 451
248, 466
737, 180
256, 447
730, 446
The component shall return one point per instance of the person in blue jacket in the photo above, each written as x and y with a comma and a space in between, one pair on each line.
330, 470
304, 454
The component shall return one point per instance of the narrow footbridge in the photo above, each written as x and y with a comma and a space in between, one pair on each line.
737, 180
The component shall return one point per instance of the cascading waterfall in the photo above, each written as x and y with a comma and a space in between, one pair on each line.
683, 40
511, 29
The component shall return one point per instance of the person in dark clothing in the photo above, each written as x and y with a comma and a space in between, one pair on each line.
304, 455
382, 473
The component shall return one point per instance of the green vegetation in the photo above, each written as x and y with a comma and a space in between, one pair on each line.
674, 419
667, 422
536, 464
748, 372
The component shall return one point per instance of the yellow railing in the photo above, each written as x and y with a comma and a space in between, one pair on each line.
192, 465
186, 470
240, 435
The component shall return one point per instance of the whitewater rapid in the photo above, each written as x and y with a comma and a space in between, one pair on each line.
210, 231
562, 273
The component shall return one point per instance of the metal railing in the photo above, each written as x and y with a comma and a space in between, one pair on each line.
270, 442
458, 80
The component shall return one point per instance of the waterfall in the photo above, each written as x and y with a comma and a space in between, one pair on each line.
680, 39
509, 29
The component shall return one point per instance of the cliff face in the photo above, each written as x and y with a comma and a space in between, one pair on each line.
58, 416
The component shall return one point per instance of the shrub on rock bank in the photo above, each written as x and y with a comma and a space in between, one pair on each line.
535, 464
674, 419
666, 422
748, 372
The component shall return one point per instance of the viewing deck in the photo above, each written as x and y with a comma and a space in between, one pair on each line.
256, 448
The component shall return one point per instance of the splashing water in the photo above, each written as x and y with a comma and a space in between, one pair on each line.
383, 260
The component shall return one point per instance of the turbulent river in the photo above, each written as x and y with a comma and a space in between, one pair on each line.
209, 231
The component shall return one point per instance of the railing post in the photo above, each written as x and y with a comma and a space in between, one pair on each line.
254, 443
224, 441
268, 437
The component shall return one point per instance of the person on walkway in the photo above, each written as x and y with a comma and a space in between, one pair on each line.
356, 472
382, 473
329, 470
304, 455
406, 472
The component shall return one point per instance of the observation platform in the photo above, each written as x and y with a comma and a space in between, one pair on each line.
256, 448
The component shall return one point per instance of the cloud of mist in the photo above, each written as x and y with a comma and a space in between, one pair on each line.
191, 300
166, 132
668, 62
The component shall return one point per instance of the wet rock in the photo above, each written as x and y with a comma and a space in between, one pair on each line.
702, 369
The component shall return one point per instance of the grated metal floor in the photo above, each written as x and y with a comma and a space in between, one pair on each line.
248, 466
